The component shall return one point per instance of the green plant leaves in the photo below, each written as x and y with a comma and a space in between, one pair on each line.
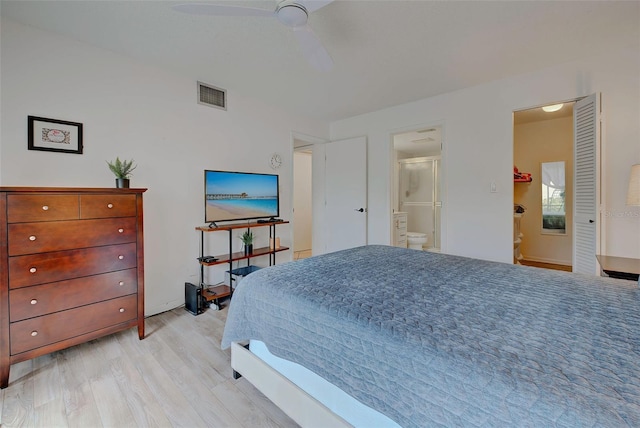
122, 169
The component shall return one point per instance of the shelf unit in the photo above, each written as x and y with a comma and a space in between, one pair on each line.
213, 293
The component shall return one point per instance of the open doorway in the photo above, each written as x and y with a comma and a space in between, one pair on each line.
543, 156
417, 196
302, 200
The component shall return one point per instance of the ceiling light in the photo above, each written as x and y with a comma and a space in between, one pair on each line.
551, 108
423, 140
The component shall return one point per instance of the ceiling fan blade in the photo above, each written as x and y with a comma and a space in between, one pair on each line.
220, 10
312, 49
313, 5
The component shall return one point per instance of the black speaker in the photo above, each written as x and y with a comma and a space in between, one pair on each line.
193, 298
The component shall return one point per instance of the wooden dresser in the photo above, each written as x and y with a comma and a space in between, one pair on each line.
71, 268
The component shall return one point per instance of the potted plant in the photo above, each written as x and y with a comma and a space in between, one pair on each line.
122, 171
247, 240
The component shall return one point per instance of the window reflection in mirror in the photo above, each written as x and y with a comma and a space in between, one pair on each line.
553, 198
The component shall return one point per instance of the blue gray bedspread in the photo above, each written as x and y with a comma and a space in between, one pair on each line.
437, 340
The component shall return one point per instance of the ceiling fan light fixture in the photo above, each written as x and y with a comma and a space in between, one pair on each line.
292, 14
552, 108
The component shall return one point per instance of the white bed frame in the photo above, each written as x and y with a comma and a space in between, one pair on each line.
295, 402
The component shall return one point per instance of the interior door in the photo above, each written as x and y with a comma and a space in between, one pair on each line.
586, 219
346, 194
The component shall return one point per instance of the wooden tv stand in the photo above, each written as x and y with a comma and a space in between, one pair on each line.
213, 293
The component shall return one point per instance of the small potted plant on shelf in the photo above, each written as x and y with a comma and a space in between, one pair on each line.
247, 240
122, 170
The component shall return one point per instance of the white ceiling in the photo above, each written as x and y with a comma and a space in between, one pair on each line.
385, 52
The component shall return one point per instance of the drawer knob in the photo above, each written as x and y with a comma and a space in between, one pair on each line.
34, 333
109, 205
45, 207
121, 283
33, 270
121, 310
34, 301
32, 238
120, 230
120, 257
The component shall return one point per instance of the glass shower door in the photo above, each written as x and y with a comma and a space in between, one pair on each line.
437, 205
419, 190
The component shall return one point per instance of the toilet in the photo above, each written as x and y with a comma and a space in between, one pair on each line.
416, 240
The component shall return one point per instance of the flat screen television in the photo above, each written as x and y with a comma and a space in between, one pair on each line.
230, 195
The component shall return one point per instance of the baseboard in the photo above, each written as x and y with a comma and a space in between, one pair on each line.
167, 306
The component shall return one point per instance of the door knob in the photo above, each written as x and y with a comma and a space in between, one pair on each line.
591, 221
359, 210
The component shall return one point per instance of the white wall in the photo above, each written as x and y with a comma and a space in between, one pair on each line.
133, 110
478, 150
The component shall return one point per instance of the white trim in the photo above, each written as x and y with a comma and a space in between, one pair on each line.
296, 403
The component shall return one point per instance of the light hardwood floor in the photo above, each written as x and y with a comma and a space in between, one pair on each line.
176, 376
546, 265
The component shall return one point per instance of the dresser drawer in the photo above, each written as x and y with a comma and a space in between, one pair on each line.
37, 300
60, 265
101, 206
31, 238
37, 332
26, 208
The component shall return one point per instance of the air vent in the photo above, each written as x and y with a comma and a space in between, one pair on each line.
212, 96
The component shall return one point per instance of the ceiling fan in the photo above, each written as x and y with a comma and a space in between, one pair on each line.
292, 13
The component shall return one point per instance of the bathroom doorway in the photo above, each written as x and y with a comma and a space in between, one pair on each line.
417, 196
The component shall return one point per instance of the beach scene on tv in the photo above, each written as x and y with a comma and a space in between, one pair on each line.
236, 196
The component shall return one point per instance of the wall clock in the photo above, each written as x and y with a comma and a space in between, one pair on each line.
275, 161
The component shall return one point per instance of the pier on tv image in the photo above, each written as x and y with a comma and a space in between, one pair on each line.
231, 195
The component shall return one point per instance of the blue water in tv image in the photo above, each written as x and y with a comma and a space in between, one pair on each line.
238, 195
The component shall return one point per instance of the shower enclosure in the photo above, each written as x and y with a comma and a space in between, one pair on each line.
419, 196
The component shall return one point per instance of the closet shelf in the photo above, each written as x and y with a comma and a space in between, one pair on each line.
521, 177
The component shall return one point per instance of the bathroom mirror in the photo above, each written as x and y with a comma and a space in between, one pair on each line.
553, 198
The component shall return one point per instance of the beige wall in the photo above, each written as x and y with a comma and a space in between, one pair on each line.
534, 143
302, 201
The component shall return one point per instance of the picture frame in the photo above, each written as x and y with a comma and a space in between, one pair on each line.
53, 135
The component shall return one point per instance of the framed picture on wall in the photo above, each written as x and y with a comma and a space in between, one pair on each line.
51, 135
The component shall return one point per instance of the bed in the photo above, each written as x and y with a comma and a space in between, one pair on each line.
429, 339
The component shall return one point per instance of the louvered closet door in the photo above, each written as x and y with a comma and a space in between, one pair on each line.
586, 218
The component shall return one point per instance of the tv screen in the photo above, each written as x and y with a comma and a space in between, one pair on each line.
232, 196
